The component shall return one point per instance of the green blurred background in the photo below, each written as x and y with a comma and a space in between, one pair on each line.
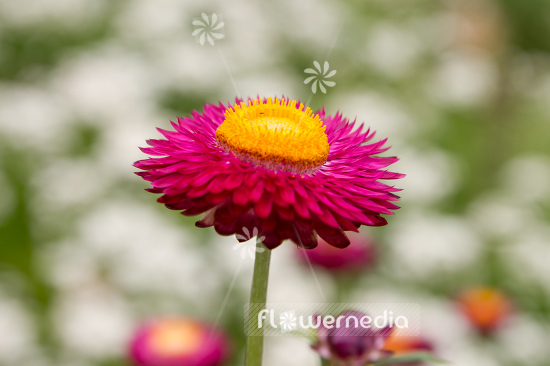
461, 89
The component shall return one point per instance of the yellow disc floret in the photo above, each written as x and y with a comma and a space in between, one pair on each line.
275, 134
177, 337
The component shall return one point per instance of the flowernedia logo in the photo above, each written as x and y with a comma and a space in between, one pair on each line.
288, 321
303, 319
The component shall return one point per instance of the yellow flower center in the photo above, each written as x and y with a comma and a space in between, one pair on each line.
275, 134
176, 337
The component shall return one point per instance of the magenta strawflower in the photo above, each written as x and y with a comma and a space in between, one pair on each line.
275, 166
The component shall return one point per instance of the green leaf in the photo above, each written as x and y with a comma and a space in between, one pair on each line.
413, 357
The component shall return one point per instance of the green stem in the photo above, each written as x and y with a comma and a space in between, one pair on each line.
258, 295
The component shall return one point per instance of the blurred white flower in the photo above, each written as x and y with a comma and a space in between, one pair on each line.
17, 333
468, 354
103, 82
68, 265
424, 244
247, 51
500, 215
393, 50
94, 323
378, 112
118, 146
180, 65
148, 21
429, 175
289, 351
464, 79
440, 315
35, 117
528, 178
69, 183
313, 286
74, 13
526, 254
318, 29
258, 83
143, 251
524, 341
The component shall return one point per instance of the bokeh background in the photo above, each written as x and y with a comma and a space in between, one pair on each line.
461, 89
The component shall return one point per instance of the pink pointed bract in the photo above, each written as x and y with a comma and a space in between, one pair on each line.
196, 175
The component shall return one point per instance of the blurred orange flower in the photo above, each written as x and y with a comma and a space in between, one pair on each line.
486, 308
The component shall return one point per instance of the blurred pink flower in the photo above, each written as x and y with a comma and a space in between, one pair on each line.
177, 342
349, 343
276, 166
360, 255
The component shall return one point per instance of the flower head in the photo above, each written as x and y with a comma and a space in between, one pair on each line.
275, 165
177, 342
360, 255
486, 308
350, 342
